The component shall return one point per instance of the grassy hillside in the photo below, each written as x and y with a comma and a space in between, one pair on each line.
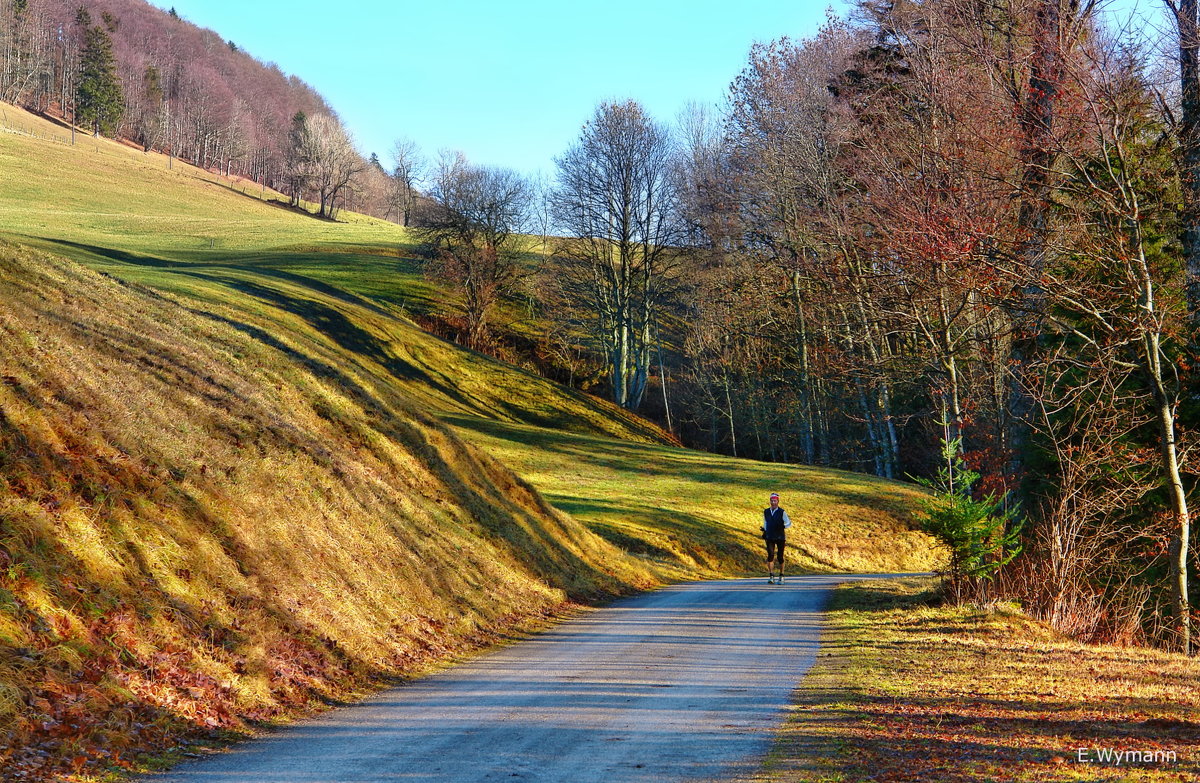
690, 513
236, 481
343, 288
198, 529
340, 293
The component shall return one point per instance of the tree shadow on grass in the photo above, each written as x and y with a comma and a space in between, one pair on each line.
343, 330
332, 323
278, 203
940, 740
209, 261
655, 530
70, 468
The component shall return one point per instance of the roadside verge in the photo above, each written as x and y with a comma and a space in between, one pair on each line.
905, 690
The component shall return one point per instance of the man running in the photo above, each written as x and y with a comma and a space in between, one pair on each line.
775, 521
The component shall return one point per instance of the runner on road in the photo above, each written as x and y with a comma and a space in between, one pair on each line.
775, 521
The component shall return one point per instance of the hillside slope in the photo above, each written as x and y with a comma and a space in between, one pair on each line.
340, 294
199, 529
344, 288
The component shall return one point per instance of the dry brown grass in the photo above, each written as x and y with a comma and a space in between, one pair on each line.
906, 690
200, 531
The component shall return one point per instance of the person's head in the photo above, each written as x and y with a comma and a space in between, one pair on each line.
774, 499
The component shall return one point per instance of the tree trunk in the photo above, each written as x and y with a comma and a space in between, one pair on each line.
1165, 402
662, 379
616, 372
892, 464
729, 413
806, 410
641, 362
1178, 552
1187, 23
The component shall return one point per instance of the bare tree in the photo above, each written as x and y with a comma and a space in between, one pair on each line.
333, 160
797, 212
480, 212
409, 169
618, 199
321, 159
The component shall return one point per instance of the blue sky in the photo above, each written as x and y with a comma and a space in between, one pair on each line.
508, 83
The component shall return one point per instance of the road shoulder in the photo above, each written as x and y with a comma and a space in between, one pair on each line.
904, 690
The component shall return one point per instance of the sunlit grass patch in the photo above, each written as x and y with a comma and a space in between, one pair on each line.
697, 513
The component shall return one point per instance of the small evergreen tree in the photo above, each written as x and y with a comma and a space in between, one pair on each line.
299, 157
98, 97
979, 535
150, 123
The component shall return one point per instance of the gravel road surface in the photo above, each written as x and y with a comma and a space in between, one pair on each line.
688, 683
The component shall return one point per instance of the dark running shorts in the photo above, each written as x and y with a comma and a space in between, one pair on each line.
772, 548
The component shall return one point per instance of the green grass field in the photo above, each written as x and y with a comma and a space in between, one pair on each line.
697, 514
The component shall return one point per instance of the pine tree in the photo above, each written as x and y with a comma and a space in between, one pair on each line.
150, 120
99, 100
979, 535
299, 157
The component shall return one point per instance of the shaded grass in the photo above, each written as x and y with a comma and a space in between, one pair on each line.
908, 690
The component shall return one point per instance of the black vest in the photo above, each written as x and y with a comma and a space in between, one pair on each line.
773, 524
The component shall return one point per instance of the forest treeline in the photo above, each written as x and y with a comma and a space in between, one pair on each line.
943, 239
957, 239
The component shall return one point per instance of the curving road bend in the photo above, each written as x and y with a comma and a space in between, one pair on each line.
688, 683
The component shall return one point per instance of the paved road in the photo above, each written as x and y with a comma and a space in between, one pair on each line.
684, 684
